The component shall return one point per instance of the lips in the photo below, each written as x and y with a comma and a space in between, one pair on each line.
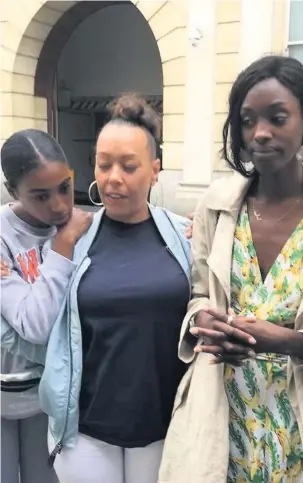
258, 151
115, 196
267, 150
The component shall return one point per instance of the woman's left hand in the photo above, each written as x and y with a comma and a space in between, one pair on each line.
5, 270
189, 229
269, 336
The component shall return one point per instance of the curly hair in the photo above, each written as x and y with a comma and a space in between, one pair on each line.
134, 110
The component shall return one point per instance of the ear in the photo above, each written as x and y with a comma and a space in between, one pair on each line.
11, 191
156, 170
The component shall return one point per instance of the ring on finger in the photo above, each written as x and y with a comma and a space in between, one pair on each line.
230, 320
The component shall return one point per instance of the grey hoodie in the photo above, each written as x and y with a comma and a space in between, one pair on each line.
30, 301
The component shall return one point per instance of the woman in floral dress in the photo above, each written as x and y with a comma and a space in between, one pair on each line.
238, 414
265, 443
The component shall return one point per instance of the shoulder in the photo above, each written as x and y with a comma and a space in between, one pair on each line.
7, 227
4, 211
224, 194
180, 223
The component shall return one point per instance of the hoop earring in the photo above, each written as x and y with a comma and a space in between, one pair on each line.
299, 155
90, 196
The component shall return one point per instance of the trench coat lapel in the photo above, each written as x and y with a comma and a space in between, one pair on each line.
227, 206
219, 260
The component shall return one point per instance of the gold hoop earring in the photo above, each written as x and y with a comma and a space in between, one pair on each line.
90, 195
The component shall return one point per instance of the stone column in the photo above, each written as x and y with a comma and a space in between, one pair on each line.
199, 107
257, 21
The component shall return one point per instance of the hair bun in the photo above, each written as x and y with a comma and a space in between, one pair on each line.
135, 110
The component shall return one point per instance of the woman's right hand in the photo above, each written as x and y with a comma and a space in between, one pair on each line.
68, 235
225, 342
77, 225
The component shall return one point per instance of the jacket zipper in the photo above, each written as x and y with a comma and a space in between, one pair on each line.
58, 448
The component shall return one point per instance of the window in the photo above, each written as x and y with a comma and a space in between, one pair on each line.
295, 42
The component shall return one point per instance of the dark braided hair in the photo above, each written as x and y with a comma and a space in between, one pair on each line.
288, 71
25, 151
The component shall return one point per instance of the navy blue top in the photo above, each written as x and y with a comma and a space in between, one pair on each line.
132, 300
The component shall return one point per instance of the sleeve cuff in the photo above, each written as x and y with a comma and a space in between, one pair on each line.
186, 353
55, 261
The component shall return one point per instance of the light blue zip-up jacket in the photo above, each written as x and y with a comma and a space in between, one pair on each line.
60, 384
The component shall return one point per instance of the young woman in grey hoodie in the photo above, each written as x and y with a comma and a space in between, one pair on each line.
38, 234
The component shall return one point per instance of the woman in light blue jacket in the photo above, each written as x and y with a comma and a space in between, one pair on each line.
111, 369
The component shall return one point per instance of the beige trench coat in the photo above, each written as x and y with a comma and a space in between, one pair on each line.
196, 448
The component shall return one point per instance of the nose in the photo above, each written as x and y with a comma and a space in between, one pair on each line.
58, 205
262, 133
115, 175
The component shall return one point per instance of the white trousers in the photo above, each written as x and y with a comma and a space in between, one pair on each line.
93, 461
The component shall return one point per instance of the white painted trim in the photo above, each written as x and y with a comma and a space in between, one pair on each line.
200, 85
295, 42
287, 27
289, 43
256, 30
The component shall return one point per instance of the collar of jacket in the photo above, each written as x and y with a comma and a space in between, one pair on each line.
164, 221
228, 196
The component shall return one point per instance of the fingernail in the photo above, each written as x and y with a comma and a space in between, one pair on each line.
252, 340
198, 348
252, 354
194, 330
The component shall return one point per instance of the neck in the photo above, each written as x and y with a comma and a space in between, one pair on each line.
286, 183
27, 218
137, 217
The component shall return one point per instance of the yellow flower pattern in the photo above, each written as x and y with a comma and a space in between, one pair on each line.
265, 444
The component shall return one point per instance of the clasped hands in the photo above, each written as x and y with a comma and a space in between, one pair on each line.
233, 338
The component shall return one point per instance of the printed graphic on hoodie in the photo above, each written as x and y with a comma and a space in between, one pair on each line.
29, 263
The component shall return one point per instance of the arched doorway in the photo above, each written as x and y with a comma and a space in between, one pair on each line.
101, 59
37, 38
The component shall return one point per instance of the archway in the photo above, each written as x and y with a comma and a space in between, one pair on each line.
33, 39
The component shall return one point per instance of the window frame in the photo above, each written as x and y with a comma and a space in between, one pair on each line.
290, 43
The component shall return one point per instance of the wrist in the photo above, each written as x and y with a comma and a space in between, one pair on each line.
293, 344
65, 238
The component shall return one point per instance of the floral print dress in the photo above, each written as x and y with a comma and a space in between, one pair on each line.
265, 444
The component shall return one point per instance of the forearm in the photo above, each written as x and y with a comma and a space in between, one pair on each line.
292, 344
64, 246
31, 309
187, 340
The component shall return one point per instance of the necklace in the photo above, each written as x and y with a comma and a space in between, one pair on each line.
258, 216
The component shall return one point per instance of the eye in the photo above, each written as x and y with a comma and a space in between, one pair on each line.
247, 121
130, 169
279, 119
65, 188
42, 197
103, 167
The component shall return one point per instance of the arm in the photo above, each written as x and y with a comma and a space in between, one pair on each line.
200, 289
292, 344
11, 341
269, 337
31, 310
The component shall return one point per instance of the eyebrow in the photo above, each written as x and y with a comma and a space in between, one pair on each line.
41, 190
279, 104
124, 157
